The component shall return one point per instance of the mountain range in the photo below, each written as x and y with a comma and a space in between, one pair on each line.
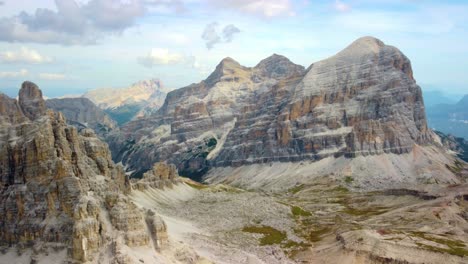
125, 104
450, 118
362, 101
333, 163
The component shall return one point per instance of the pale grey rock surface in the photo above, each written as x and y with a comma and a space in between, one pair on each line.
362, 101
124, 104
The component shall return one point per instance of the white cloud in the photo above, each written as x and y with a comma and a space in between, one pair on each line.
229, 31
24, 55
263, 8
211, 37
72, 22
341, 6
159, 56
52, 76
21, 73
165, 6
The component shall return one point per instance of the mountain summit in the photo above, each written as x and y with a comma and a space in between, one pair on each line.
125, 104
363, 101
279, 67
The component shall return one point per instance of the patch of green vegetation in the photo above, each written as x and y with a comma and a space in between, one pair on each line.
291, 248
271, 236
298, 211
461, 252
317, 234
454, 247
211, 143
340, 189
454, 169
197, 186
447, 242
296, 189
348, 179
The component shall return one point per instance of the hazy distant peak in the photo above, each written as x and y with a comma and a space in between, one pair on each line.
152, 83
463, 101
116, 97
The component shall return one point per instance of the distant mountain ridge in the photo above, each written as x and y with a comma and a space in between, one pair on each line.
83, 113
125, 104
436, 97
450, 118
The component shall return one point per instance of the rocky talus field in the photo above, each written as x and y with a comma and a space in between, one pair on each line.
333, 163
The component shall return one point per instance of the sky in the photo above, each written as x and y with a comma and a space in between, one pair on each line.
71, 46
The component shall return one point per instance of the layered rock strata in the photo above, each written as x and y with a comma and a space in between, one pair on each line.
60, 189
362, 101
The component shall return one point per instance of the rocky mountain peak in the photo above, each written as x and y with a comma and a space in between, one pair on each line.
362, 101
375, 52
363, 46
368, 43
228, 62
152, 84
227, 67
278, 66
31, 101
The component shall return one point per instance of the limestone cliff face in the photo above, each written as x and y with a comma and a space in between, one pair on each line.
83, 113
362, 101
160, 176
59, 187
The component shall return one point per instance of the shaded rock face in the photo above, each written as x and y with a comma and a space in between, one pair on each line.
362, 101
31, 101
456, 144
59, 187
82, 113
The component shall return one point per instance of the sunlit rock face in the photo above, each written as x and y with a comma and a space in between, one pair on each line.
362, 101
138, 100
60, 189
